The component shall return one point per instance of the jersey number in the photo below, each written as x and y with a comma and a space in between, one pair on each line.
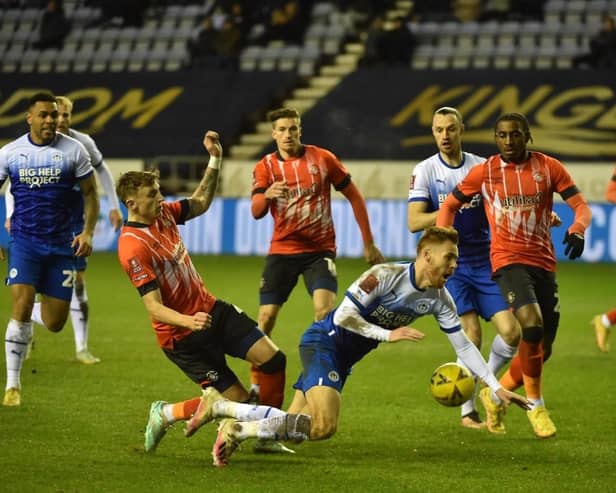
69, 279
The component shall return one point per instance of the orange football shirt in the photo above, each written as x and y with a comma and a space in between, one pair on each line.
518, 200
157, 253
303, 220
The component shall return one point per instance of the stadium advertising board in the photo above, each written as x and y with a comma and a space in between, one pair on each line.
134, 116
229, 228
387, 113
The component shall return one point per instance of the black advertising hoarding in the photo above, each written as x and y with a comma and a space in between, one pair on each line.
148, 114
372, 114
387, 113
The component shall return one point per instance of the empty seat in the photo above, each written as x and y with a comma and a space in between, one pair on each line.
333, 38
288, 57
249, 57
268, 59
309, 57
321, 11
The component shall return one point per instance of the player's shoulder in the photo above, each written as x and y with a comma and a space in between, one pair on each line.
473, 159
321, 152
82, 137
66, 142
428, 163
545, 159
19, 142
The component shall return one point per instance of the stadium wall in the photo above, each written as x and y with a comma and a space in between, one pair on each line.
229, 228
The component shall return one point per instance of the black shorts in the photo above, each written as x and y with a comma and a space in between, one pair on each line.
525, 284
281, 273
201, 355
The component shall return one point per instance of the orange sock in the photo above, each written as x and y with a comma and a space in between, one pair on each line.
271, 389
531, 358
512, 379
611, 316
184, 410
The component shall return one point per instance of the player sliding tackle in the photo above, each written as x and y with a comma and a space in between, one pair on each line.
378, 307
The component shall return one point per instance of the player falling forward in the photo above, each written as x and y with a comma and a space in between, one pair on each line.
378, 307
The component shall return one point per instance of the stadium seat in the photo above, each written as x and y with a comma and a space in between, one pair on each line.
288, 57
65, 58
467, 33
308, 62
333, 38
321, 12
249, 57
553, 11
268, 59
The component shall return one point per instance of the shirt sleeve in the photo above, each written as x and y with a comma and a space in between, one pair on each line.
472, 358
136, 260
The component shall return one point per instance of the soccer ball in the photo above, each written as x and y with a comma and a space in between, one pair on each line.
451, 384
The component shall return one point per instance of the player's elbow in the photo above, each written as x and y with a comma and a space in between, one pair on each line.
413, 225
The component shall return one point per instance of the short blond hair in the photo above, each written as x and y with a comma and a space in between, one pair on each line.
130, 182
436, 235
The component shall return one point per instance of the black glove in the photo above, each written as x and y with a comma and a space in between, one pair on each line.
575, 244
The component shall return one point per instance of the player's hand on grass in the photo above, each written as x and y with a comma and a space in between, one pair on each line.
406, 334
200, 321
509, 397
373, 255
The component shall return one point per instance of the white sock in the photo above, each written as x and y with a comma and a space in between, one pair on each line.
244, 412
264, 429
15, 344
168, 413
79, 320
605, 321
469, 406
36, 313
500, 354
536, 402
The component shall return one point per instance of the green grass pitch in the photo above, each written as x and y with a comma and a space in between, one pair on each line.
80, 429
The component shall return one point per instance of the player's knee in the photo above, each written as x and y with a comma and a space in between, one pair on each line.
321, 313
322, 429
511, 335
532, 334
277, 363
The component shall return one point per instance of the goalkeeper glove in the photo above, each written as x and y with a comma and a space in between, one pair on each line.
575, 245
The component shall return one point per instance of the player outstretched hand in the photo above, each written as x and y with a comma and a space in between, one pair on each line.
406, 334
509, 397
211, 142
373, 255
